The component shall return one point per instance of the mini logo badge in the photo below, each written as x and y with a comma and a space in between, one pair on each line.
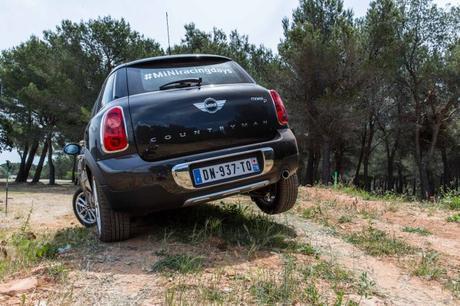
210, 105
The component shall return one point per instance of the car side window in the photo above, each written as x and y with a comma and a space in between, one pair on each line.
109, 90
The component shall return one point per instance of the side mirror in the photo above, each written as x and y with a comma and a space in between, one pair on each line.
72, 149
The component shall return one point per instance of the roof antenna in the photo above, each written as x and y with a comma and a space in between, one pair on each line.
167, 27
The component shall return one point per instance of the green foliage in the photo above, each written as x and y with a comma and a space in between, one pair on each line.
370, 196
454, 285
272, 291
181, 263
451, 200
311, 212
258, 61
345, 219
26, 249
330, 272
213, 295
306, 249
366, 286
377, 243
419, 230
50, 84
357, 89
454, 218
428, 266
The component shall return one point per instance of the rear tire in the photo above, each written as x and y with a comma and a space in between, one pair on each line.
111, 225
83, 210
280, 197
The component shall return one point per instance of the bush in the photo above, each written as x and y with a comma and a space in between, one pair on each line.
451, 200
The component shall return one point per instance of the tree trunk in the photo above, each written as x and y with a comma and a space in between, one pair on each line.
22, 165
419, 160
338, 156
326, 162
316, 166
30, 159
446, 175
52, 179
310, 170
400, 186
390, 171
356, 180
367, 154
38, 170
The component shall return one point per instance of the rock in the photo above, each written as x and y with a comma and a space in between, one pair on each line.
30, 236
18, 286
64, 249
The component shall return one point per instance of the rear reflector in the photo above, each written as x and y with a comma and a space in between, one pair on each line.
281, 112
114, 131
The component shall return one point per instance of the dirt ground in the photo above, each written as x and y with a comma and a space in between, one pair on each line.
320, 264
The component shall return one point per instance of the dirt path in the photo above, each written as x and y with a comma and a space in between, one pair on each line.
396, 219
49, 207
396, 286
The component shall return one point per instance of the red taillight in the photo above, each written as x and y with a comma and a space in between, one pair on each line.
114, 131
281, 112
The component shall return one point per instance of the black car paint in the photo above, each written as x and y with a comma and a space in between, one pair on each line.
139, 182
166, 123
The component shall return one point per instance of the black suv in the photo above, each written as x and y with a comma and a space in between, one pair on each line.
175, 131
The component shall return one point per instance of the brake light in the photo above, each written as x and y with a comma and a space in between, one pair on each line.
281, 112
114, 130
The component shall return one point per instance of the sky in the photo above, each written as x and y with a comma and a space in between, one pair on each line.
259, 19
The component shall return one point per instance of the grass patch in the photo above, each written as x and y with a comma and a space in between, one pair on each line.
180, 263
233, 224
392, 207
366, 286
428, 266
370, 214
177, 295
291, 284
417, 230
270, 290
454, 218
377, 243
373, 196
328, 271
58, 272
345, 219
212, 295
341, 281
317, 213
454, 285
311, 212
24, 249
306, 249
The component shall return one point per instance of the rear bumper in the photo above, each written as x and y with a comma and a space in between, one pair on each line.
137, 186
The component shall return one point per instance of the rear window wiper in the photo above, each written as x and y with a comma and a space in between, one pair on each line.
182, 83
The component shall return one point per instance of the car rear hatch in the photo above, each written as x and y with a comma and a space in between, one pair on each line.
214, 115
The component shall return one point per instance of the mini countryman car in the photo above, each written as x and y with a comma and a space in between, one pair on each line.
174, 131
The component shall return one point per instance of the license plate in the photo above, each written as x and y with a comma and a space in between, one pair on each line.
218, 172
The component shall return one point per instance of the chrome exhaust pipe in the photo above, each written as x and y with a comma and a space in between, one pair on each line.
285, 174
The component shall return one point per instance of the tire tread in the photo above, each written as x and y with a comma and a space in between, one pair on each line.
115, 226
286, 196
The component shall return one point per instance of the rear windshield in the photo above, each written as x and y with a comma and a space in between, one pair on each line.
145, 79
